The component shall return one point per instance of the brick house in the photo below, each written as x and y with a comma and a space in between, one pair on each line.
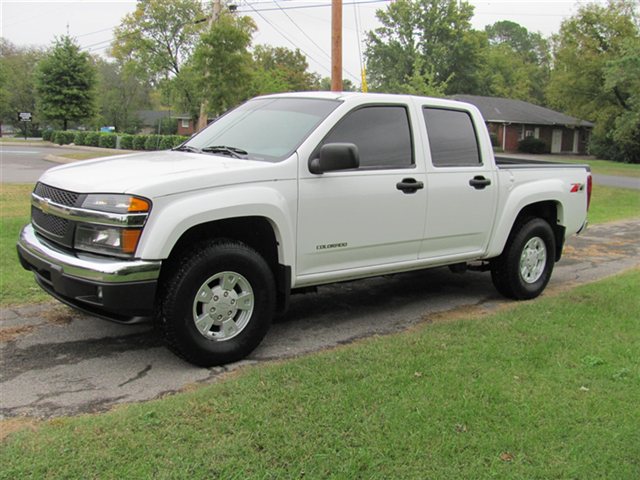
512, 120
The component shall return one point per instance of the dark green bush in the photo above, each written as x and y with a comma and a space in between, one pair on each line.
532, 145
107, 140
92, 139
494, 140
46, 135
63, 137
126, 141
139, 142
152, 142
79, 138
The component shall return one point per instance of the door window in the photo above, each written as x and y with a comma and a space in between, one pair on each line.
381, 133
452, 138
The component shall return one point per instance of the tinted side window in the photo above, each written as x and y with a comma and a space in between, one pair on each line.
381, 133
452, 138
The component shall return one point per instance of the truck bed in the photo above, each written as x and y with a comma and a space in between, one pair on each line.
504, 161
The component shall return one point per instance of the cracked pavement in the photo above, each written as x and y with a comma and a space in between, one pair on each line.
56, 361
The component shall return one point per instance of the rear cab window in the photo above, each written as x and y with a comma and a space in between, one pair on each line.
453, 139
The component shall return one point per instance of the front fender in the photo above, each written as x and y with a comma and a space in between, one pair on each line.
173, 215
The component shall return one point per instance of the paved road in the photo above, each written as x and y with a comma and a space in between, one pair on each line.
620, 182
24, 163
57, 362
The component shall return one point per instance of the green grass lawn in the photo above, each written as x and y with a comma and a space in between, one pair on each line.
543, 389
18, 287
91, 155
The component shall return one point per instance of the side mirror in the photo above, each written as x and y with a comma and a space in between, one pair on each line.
335, 156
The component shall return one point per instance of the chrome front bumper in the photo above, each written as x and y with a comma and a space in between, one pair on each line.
86, 267
119, 290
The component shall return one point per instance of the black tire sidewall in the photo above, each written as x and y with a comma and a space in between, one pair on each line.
521, 289
201, 266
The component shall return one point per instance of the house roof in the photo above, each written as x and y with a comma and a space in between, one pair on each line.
151, 117
506, 110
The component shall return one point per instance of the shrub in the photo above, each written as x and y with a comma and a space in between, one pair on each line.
139, 142
494, 140
126, 141
80, 138
152, 142
46, 135
92, 139
107, 140
532, 145
63, 137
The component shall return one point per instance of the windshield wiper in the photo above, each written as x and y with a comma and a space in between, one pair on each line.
186, 148
232, 151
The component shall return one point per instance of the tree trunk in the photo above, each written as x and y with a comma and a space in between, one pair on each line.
65, 124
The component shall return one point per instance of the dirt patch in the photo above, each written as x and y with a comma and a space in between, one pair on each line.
8, 334
59, 315
13, 425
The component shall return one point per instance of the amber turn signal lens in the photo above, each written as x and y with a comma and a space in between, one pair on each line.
130, 239
138, 205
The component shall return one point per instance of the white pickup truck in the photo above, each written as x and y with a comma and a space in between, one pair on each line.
287, 192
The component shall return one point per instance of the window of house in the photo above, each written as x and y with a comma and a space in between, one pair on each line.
452, 138
381, 133
185, 123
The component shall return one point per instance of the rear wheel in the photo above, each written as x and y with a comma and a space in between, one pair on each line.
218, 303
524, 268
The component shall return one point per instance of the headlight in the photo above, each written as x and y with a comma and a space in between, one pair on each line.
116, 203
116, 231
108, 240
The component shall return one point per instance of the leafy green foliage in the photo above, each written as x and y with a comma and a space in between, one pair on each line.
139, 142
280, 69
17, 85
46, 135
152, 142
428, 44
596, 74
92, 139
108, 140
222, 63
532, 145
79, 138
65, 81
126, 141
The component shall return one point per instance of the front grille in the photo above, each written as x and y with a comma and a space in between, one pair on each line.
49, 223
56, 195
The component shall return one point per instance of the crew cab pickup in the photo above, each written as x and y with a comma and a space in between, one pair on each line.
288, 192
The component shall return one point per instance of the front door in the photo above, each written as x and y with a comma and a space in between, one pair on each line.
363, 217
556, 140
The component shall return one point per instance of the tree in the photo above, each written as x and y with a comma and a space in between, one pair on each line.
425, 42
160, 37
17, 86
517, 62
65, 83
324, 85
221, 66
121, 91
280, 69
587, 80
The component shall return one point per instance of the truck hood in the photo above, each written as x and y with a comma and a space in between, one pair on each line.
154, 174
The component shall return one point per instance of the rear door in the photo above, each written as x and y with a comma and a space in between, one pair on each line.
367, 216
462, 186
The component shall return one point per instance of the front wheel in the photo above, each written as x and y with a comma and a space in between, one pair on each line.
217, 304
524, 268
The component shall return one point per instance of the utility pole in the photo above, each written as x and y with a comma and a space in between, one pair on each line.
336, 45
216, 8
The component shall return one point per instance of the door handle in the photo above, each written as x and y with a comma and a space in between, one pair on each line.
479, 182
409, 185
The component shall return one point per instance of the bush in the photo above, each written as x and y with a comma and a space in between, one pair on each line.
80, 138
107, 140
126, 141
139, 142
47, 134
92, 139
152, 142
63, 137
494, 140
532, 145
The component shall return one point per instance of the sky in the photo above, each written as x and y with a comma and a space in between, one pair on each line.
280, 23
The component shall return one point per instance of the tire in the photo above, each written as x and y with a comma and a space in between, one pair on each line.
524, 268
217, 303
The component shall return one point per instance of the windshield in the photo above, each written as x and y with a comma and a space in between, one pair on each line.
267, 129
